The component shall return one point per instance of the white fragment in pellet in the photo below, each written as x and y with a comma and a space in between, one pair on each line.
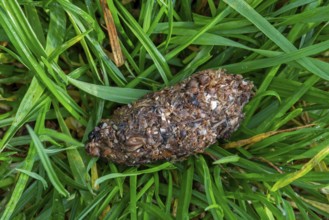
213, 105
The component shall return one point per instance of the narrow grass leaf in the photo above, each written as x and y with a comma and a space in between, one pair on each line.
107, 200
156, 190
28, 102
66, 45
274, 56
291, 5
27, 165
182, 46
163, 166
156, 56
115, 94
185, 10
288, 117
14, 34
93, 204
56, 73
229, 159
311, 152
26, 198
62, 96
34, 20
145, 188
67, 180
320, 205
288, 209
61, 137
76, 163
285, 88
221, 195
35, 176
133, 197
169, 192
23, 27
201, 57
33, 64
56, 29
170, 10
79, 29
303, 171
6, 182
319, 14
155, 211
214, 207
46, 163
262, 89
185, 190
260, 22
261, 95
117, 210
267, 136
288, 103
57, 206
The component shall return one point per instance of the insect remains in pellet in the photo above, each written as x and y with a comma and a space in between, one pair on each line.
175, 122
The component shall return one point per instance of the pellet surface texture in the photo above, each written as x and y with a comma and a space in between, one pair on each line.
175, 122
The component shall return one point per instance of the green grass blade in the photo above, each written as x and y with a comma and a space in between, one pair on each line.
46, 163
156, 56
154, 211
33, 17
182, 46
115, 94
214, 207
292, 5
57, 207
289, 102
107, 200
133, 197
30, 98
244, 9
303, 171
315, 15
56, 30
76, 162
163, 166
21, 24
64, 46
146, 187
27, 166
37, 69
186, 191
81, 26
35, 176
229, 159
92, 205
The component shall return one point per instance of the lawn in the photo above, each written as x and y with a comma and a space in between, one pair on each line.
65, 65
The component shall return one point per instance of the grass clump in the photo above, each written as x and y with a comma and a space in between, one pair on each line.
57, 80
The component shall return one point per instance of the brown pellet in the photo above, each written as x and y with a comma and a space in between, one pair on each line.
175, 122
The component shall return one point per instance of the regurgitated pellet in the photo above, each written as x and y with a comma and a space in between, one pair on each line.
175, 122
